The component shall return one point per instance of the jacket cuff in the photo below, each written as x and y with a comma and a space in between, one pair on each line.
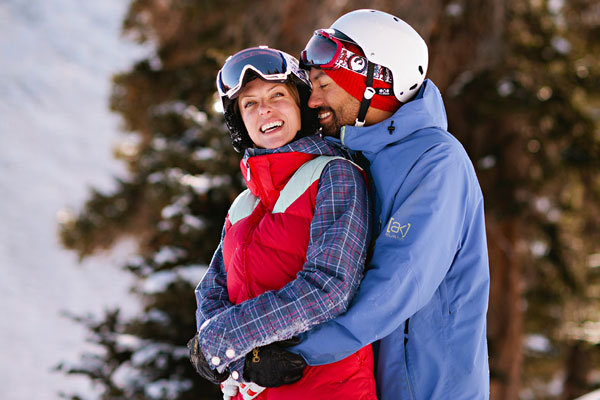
211, 339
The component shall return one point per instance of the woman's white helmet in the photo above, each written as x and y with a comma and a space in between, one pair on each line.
390, 42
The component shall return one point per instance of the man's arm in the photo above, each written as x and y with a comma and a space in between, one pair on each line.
412, 254
322, 289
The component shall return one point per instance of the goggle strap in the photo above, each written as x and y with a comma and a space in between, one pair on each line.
379, 72
383, 91
367, 96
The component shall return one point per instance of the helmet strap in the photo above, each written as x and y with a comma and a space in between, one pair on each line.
367, 96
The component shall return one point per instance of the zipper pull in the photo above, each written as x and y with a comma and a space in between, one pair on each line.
255, 356
247, 169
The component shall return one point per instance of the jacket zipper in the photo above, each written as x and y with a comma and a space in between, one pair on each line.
412, 396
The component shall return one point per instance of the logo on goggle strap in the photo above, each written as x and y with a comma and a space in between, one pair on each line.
357, 63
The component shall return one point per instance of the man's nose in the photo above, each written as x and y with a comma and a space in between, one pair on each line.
315, 100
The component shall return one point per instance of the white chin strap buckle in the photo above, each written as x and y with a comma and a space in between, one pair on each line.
364, 105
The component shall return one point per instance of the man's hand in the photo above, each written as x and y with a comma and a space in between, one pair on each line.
201, 365
272, 365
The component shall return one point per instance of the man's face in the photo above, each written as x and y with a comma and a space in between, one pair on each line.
335, 106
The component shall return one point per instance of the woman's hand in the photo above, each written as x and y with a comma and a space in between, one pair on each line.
201, 365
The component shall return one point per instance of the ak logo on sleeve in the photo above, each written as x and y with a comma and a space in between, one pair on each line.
396, 230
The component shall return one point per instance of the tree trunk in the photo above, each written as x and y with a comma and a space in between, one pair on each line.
577, 368
505, 315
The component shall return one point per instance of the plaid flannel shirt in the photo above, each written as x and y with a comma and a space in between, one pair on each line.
322, 290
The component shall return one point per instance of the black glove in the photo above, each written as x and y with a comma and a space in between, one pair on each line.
272, 365
201, 365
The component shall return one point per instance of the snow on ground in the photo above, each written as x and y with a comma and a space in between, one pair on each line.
56, 139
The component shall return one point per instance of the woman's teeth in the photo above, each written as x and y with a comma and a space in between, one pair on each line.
270, 126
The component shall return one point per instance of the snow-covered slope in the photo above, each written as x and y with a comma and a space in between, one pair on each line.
56, 139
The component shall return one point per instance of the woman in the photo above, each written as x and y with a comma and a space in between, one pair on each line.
294, 243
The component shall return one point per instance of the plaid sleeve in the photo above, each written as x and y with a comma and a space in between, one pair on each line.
339, 234
211, 293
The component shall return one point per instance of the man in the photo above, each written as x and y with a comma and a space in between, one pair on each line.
423, 300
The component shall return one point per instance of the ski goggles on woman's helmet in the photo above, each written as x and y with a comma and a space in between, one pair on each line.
326, 50
269, 64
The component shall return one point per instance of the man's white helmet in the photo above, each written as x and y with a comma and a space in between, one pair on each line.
390, 42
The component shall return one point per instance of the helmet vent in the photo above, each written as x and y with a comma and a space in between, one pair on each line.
421, 69
413, 87
396, 19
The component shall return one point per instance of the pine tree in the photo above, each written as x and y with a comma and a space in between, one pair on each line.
531, 125
183, 175
522, 90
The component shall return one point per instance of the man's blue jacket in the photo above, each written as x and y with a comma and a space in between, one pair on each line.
424, 297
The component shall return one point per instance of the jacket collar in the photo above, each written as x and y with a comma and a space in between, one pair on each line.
266, 171
426, 110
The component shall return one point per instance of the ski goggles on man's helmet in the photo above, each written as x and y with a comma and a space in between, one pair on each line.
326, 50
268, 64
